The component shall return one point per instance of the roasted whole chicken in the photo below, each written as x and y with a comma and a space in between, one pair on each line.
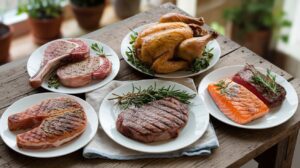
173, 43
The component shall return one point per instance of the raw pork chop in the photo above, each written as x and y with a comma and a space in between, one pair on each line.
156, 121
54, 121
57, 52
82, 73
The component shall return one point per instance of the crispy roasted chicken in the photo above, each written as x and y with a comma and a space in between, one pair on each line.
176, 34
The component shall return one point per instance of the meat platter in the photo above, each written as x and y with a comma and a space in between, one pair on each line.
70, 78
166, 124
71, 125
190, 56
262, 108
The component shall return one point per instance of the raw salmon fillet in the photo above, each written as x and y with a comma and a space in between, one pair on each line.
237, 102
54, 121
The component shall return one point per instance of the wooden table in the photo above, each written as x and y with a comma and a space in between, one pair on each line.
271, 147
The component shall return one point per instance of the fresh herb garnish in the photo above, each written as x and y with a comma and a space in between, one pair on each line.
222, 86
53, 81
268, 81
98, 49
131, 54
138, 96
202, 62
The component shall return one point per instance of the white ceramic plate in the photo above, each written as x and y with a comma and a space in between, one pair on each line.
275, 117
179, 74
36, 57
194, 129
9, 137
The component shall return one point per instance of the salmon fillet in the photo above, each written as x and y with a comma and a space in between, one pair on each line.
54, 121
236, 102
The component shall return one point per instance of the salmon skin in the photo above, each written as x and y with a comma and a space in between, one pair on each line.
53, 122
237, 102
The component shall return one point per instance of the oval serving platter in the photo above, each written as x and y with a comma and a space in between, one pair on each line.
125, 45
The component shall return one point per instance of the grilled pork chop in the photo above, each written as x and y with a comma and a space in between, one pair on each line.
82, 73
156, 121
54, 121
58, 52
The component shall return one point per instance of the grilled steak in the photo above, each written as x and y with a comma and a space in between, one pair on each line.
82, 73
244, 77
58, 52
54, 122
156, 121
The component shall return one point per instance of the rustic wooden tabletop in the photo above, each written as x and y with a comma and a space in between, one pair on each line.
270, 147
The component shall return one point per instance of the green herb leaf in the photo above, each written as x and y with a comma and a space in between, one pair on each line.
268, 81
98, 49
53, 81
138, 96
202, 62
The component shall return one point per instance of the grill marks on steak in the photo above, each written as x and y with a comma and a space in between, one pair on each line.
156, 121
58, 52
55, 121
82, 73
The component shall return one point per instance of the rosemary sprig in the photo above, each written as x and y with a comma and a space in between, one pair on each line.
202, 62
53, 81
268, 81
131, 54
138, 96
98, 49
222, 86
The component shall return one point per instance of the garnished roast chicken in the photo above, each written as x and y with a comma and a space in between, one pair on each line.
173, 43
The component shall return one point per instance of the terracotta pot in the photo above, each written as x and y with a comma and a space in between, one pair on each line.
126, 8
45, 30
257, 41
88, 17
5, 40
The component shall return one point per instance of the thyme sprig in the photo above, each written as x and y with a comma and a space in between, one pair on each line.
204, 61
131, 54
98, 49
53, 81
138, 96
222, 86
268, 81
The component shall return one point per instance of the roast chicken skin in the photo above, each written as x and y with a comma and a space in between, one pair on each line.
158, 45
192, 48
176, 17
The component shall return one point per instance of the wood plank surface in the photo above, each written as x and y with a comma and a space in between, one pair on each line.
237, 146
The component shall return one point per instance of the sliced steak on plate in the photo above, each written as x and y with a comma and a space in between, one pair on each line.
82, 73
156, 121
52, 122
58, 52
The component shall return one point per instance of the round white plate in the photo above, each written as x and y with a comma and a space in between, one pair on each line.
275, 117
9, 137
194, 129
179, 74
35, 59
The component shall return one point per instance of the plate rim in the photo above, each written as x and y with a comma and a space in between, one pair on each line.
231, 123
165, 76
94, 126
116, 64
207, 121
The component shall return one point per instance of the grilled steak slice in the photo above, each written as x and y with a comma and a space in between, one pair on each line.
58, 52
156, 121
54, 122
82, 73
244, 77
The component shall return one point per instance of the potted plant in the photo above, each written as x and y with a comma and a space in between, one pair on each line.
45, 18
126, 8
5, 40
254, 22
88, 12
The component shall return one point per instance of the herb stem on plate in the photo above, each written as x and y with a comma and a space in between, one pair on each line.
268, 81
138, 96
98, 49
